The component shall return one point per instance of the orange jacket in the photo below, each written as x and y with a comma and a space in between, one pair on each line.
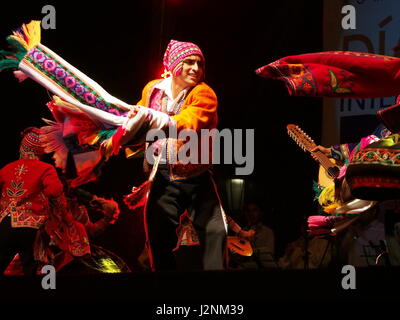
199, 109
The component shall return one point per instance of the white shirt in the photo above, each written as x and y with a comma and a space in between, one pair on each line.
166, 86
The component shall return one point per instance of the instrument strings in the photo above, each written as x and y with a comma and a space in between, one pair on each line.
300, 137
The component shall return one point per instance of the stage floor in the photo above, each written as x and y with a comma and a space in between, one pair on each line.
219, 286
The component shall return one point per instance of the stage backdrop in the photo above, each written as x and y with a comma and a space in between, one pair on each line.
377, 25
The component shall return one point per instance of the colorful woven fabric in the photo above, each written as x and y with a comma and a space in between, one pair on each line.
373, 172
198, 111
337, 74
54, 73
47, 63
175, 53
85, 113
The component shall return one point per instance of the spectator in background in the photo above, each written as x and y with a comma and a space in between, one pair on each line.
263, 241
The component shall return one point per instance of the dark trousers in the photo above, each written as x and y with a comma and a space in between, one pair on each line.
17, 240
167, 201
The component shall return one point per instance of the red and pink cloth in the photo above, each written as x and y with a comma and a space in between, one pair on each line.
337, 74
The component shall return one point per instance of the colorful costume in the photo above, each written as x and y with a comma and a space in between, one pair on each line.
80, 102
31, 194
341, 74
176, 186
85, 113
341, 152
195, 109
100, 259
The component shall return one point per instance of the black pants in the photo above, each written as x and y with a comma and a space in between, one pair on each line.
167, 201
17, 240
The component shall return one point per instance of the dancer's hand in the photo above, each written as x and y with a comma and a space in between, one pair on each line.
133, 111
247, 235
325, 151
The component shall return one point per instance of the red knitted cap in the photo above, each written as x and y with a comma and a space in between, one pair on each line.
175, 53
30, 142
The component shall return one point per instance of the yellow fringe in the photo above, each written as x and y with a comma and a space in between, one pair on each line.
327, 196
30, 35
327, 199
107, 149
130, 152
92, 139
330, 209
62, 103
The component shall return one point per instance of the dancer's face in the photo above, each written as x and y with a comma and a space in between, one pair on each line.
192, 71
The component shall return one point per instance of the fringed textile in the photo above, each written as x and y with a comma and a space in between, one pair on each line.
337, 74
54, 73
21, 41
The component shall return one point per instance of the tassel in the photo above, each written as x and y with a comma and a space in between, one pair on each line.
11, 59
20, 76
28, 35
316, 222
19, 51
327, 195
21, 42
185, 232
8, 64
92, 139
51, 137
64, 104
320, 226
105, 134
317, 188
139, 196
328, 201
106, 149
6, 54
330, 209
99, 136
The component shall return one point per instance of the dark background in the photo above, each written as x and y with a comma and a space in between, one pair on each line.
121, 46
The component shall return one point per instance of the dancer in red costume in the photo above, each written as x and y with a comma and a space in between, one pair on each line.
31, 192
